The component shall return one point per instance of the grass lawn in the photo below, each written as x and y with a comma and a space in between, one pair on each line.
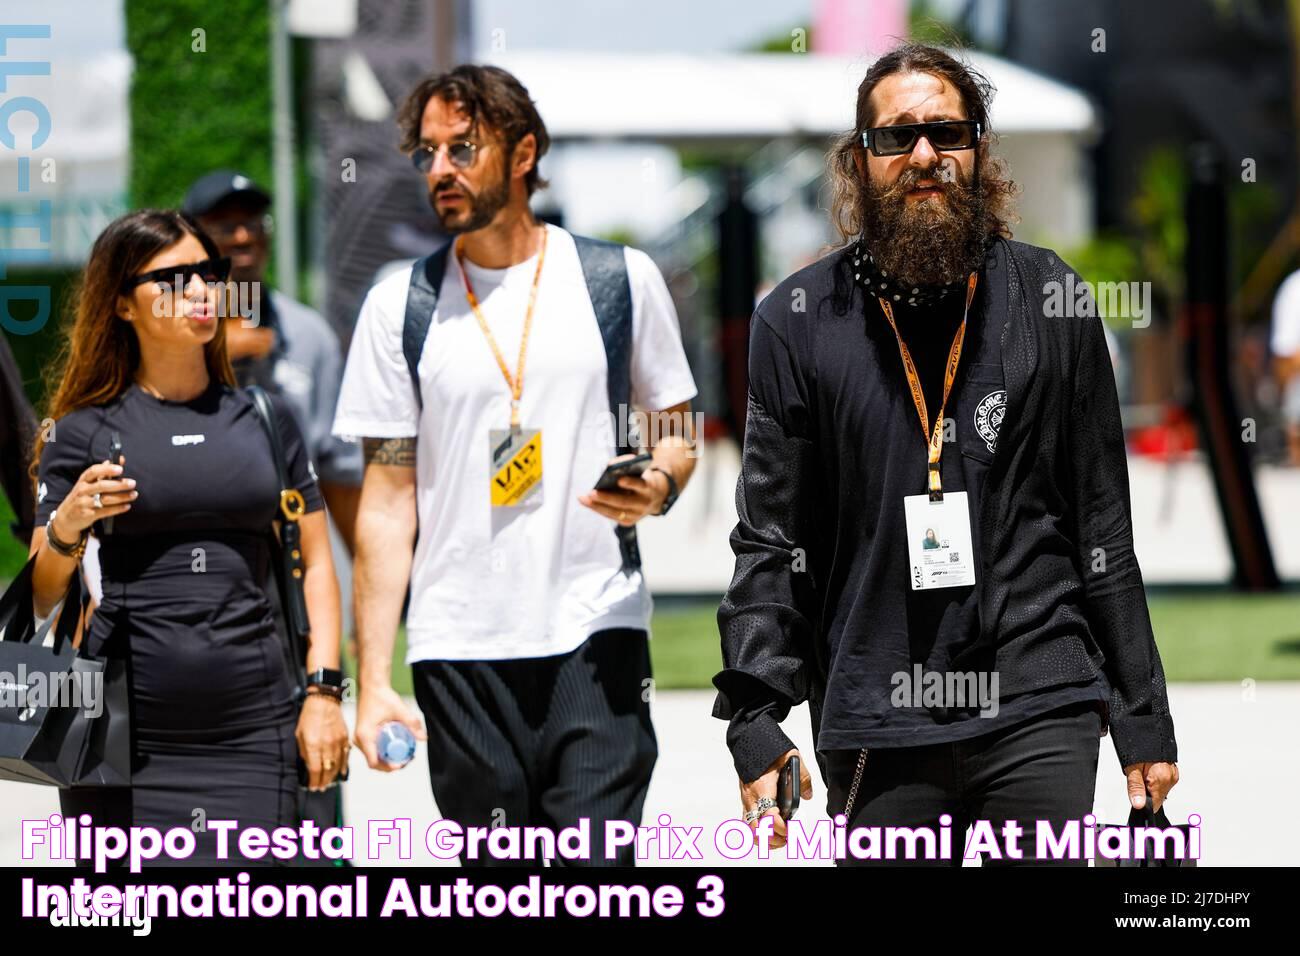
1210, 635
684, 650
12, 554
1203, 636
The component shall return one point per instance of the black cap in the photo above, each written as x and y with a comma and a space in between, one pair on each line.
216, 187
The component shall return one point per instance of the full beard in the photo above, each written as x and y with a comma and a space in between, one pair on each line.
478, 211
933, 241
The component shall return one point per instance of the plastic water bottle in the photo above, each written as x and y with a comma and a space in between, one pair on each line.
396, 744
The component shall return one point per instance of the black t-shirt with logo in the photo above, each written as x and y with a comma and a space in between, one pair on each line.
184, 573
942, 621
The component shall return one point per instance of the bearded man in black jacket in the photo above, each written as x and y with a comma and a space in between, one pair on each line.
959, 602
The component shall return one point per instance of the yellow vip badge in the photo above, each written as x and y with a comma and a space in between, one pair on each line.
516, 467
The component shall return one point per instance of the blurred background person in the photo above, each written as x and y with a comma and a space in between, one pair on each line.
1284, 343
282, 345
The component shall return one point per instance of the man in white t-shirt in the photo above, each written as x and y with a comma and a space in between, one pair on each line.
528, 620
1284, 343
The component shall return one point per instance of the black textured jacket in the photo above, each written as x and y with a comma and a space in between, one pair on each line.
17, 438
1059, 459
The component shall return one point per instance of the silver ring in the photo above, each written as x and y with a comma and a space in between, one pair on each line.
98, 503
764, 804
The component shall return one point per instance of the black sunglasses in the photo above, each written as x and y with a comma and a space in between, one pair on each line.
178, 277
461, 155
943, 135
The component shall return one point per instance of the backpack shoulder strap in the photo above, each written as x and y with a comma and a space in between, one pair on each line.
604, 268
421, 301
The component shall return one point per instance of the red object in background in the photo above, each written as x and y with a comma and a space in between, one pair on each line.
1174, 436
714, 428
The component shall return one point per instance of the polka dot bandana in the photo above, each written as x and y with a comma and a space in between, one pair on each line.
880, 284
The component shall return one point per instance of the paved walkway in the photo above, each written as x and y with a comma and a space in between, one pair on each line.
1240, 763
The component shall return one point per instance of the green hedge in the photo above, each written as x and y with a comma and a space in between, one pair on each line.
33, 353
192, 112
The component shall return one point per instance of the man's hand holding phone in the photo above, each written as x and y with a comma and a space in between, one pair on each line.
623, 494
766, 786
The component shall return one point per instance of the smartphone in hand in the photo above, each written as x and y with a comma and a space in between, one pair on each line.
787, 789
635, 467
114, 456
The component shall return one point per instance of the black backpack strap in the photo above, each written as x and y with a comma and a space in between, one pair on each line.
421, 301
605, 269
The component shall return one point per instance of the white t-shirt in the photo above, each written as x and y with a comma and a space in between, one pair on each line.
1285, 334
492, 583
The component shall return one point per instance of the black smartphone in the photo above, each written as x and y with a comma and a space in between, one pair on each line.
787, 789
304, 778
114, 456
608, 480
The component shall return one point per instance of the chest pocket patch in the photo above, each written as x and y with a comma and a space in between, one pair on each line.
988, 416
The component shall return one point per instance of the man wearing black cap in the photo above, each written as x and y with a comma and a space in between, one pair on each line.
278, 343
285, 347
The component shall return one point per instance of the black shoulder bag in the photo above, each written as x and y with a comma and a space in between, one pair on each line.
289, 568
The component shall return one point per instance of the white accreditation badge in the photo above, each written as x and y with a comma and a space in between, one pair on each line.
939, 541
938, 525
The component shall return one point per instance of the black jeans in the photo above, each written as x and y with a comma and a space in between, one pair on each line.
543, 741
1042, 769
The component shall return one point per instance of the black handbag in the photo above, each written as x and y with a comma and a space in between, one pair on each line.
289, 569
1146, 818
64, 715
289, 572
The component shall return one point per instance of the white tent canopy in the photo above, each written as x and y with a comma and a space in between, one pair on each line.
751, 95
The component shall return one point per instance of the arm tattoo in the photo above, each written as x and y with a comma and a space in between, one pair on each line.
389, 451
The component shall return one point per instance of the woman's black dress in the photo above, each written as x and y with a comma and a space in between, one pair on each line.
185, 573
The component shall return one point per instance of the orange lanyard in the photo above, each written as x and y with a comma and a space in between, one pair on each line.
516, 382
934, 438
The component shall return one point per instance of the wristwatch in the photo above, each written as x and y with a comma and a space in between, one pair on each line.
326, 681
671, 499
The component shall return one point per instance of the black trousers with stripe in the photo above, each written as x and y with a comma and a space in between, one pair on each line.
543, 741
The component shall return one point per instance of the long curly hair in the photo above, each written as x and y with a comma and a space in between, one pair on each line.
488, 95
847, 188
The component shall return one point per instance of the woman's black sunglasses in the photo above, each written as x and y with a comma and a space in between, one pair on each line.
944, 135
209, 270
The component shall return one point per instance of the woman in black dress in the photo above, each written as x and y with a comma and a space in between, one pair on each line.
215, 731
